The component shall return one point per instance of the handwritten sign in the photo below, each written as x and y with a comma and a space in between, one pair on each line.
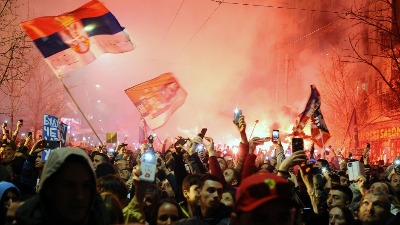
45, 154
50, 128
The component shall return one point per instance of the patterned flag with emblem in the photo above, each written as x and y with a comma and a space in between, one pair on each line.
157, 99
75, 39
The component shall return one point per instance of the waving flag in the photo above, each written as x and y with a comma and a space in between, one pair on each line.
319, 131
313, 104
75, 39
157, 99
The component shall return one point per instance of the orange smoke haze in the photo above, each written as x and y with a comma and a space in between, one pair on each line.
224, 55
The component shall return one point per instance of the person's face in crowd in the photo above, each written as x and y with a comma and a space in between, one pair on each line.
230, 163
227, 199
275, 212
201, 154
372, 209
7, 154
97, 160
9, 197
38, 161
336, 217
222, 163
167, 214
122, 150
336, 198
264, 168
210, 194
166, 186
186, 157
71, 192
344, 181
229, 175
395, 182
192, 196
125, 174
122, 164
379, 186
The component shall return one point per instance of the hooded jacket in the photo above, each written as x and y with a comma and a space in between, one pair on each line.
36, 211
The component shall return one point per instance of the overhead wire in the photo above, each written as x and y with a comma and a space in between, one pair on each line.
172, 22
199, 29
277, 7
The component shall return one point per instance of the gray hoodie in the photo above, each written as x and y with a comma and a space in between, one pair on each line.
37, 209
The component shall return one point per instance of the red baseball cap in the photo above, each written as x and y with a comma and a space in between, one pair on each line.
260, 188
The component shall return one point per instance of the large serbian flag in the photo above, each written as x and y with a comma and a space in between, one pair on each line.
157, 99
313, 104
74, 39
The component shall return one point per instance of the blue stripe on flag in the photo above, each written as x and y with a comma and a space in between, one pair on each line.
103, 25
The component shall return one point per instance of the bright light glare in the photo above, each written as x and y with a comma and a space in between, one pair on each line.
97, 85
148, 157
89, 27
235, 150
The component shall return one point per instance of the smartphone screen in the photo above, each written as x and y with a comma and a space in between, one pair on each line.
297, 144
275, 135
148, 167
203, 132
236, 115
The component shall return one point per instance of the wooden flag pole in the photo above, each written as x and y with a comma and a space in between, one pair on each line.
79, 108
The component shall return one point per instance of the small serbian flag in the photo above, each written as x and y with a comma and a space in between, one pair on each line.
157, 99
75, 39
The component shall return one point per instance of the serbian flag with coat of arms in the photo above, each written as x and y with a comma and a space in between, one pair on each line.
75, 39
157, 99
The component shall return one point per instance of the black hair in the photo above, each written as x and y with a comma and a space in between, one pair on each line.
324, 163
207, 177
104, 156
237, 176
189, 180
154, 213
112, 183
345, 190
104, 169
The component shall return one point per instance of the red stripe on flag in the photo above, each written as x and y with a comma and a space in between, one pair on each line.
47, 25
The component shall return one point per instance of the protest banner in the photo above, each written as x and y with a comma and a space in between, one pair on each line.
63, 134
50, 128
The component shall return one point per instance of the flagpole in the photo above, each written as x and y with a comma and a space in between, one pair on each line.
79, 108
323, 144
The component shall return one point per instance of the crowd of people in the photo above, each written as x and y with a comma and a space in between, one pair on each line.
194, 183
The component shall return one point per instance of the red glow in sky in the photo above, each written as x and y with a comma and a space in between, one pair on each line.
224, 55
